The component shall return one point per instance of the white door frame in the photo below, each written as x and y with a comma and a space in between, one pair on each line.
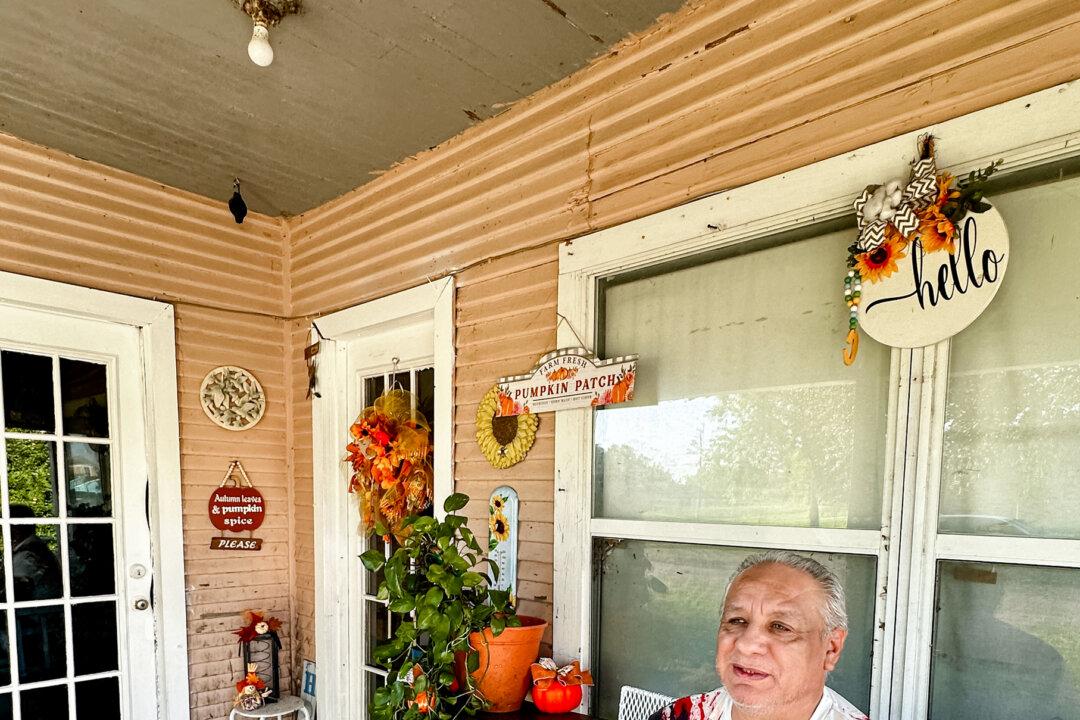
335, 519
1029, 131
157, 339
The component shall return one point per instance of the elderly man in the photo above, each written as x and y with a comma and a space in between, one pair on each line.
781, 632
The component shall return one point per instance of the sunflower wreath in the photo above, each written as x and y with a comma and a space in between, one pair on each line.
504, 438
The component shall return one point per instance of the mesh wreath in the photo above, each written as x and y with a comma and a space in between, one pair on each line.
391, 460
504, 438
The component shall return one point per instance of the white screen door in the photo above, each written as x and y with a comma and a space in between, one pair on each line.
76, 616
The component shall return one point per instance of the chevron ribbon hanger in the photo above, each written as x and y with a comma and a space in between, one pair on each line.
895, 204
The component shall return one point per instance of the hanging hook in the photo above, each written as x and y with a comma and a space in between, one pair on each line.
394, 382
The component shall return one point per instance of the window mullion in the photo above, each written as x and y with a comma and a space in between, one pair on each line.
888, 549
921, 562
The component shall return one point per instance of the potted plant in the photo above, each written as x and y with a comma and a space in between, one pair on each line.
431, 582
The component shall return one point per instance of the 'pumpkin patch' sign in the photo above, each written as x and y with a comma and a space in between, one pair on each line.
568, 378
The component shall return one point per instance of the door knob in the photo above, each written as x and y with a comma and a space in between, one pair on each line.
141, 604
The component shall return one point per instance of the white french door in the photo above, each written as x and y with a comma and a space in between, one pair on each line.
77, 627
407, 338
380, 361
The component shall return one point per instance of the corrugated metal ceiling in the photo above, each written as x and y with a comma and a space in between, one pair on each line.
165, 89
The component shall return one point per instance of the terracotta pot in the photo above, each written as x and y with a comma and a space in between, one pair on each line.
503, 677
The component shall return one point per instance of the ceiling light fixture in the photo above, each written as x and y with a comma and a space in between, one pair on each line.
265, 14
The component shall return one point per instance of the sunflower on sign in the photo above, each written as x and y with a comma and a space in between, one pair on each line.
880, 262
391, 460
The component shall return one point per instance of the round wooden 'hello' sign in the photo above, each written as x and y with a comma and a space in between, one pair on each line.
933, 296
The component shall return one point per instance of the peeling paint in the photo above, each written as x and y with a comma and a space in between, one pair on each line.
721, 40
594, 37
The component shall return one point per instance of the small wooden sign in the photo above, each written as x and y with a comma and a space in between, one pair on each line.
568, 378
237, 508
235, 543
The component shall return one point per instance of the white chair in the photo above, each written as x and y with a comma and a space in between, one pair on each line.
638, 704
286, 705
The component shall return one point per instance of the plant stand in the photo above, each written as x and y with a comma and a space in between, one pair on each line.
286, 705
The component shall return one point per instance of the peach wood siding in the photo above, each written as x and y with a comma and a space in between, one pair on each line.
715, 96
72, 221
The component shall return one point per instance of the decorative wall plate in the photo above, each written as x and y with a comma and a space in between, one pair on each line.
232, 398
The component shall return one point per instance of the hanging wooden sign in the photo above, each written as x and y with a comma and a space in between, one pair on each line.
933, 296
237, 507
568, 378
930, 255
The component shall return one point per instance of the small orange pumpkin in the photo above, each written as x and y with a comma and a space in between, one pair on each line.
556, 697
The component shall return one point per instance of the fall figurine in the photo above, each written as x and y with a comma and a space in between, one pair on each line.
251, 692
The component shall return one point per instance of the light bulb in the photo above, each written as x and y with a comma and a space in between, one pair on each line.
259, 49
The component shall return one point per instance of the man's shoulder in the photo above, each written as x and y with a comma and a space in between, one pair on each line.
841, 709
692, 707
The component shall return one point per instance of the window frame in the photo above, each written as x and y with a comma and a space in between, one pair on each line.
1033, 130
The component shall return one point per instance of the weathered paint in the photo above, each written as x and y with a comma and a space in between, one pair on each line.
354, 87
73, 221
718, 95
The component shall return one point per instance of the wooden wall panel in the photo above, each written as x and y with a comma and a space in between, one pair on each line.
72, 221
715, 96
505, 321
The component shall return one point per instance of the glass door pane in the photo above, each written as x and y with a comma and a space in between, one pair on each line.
58, 594
379, 624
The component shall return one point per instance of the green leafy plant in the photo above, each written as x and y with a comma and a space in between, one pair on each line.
969, 194
431, 584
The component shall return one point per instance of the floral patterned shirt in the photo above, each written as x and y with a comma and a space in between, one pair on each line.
716, 705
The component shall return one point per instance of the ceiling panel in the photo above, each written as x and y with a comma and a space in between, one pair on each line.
166, 90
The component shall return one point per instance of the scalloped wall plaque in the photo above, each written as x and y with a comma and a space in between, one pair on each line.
232, 398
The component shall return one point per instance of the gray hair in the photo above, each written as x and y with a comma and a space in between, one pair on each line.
834, 610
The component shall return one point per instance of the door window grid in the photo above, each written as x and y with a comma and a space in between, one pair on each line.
73, 683
379, 629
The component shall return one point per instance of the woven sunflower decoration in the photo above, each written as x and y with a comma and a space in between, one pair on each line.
391, 460
504, 438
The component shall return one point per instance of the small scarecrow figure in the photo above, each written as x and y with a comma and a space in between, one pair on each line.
251, 692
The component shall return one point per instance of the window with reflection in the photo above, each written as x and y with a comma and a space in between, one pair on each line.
743, 414
58, 602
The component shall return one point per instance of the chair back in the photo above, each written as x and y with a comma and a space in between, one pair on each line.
638, 704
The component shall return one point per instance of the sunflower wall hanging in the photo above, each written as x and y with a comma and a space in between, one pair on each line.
390, 456
505, 431
930, 255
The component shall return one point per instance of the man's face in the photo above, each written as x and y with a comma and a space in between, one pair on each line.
772, 652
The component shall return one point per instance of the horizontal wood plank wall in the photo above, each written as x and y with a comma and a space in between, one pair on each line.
505, 321
715, 96
76, 222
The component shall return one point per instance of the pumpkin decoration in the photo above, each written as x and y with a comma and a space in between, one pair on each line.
558, 689
390, 455
256, 623
505, 431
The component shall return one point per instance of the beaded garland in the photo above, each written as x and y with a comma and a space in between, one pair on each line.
852, 294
